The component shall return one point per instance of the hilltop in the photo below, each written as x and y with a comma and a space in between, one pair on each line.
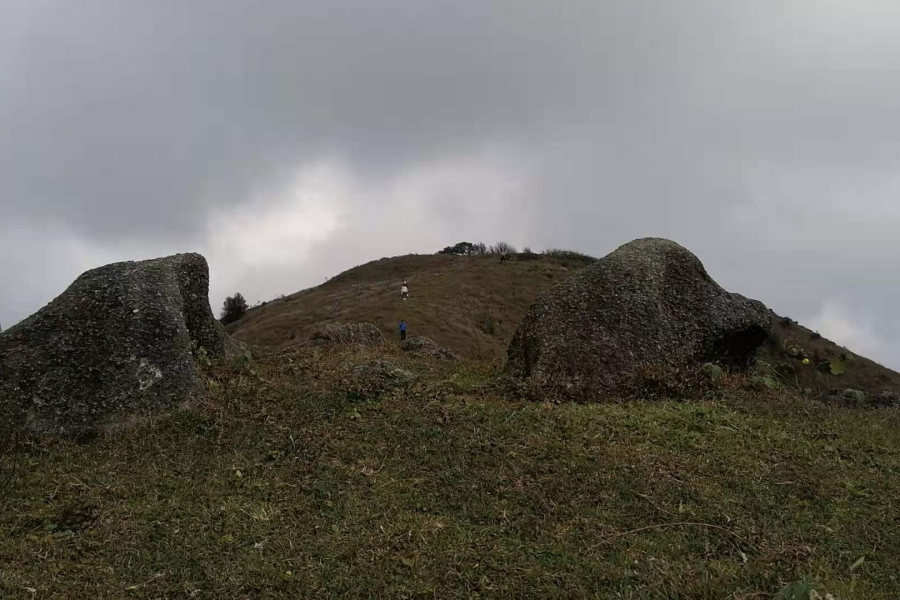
346, 469
473, 304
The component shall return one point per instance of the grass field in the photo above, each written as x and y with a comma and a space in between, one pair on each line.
470, 304
280, 486
474, 304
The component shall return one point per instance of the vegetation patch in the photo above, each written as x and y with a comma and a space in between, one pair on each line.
281, 485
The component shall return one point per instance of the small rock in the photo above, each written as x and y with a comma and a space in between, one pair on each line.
372, 379
363, 334
427, 346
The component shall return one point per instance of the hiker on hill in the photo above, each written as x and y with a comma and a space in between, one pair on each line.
404, 290
402, 331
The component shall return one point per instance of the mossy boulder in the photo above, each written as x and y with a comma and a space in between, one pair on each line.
648, 302
120, 342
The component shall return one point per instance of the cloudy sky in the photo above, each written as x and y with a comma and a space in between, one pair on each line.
288, 140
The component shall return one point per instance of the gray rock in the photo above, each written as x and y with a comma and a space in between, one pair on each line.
363, 334
848, 397
427, 346
372, 379
650, 301
119, 342
886, 399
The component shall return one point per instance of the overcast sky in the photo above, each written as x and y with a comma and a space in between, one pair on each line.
288, 140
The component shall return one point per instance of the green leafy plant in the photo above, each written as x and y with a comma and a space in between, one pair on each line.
793, 348
839, 365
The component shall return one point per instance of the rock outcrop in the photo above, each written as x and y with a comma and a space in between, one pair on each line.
119, 342
649, 301
850, 398
362, 334
370, 380
428, 347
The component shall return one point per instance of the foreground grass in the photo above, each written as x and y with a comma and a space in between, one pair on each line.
279, 486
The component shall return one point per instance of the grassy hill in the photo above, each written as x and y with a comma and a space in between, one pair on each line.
470, 304
294, 478
282, 485
474, 304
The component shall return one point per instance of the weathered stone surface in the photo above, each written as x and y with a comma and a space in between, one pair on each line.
886, 399
371, 379
428, 347
363, 334
850, 398
650, 301
119, 342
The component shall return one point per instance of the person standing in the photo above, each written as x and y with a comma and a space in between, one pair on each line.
402, 331
404, 290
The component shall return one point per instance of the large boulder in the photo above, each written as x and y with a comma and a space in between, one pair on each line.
648, 302
121, 341
428, 347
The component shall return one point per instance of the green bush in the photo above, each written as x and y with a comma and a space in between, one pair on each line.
233, 309
465, 249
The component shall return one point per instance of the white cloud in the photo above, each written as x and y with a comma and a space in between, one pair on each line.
321, 220
326, 219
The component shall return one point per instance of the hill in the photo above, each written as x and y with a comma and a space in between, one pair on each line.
281, 484
474, 304
347, 471
470, 304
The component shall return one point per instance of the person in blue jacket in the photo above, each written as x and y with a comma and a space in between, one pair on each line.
402, 330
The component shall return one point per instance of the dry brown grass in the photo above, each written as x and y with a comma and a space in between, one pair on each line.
470, 304
474, 304
863, 374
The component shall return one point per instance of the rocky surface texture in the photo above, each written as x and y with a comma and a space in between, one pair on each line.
363, 334
427, 346
119, 342
649, 301
371, 379
850, 398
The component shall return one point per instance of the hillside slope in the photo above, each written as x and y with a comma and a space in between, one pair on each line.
470, 304
474, 304
282, 484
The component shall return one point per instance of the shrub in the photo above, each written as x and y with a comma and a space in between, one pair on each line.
502, 248
465, 249
815, 335
233, 309
570, 257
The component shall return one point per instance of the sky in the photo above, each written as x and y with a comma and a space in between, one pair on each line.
290, 140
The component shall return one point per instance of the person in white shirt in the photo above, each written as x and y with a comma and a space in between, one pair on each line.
404, 290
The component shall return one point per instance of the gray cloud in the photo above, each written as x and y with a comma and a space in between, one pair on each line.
290, 140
